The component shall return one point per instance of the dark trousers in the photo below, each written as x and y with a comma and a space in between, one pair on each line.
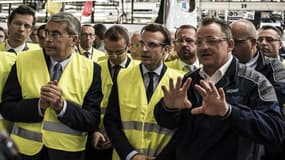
53, 154
94, 154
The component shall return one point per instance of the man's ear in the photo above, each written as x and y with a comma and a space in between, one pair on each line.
231, 44
75, 40
166, 49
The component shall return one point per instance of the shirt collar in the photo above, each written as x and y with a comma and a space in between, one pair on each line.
218, 74
123, 64
253, 61
63, 63
193, 66
83, 50
18, 49
157, 71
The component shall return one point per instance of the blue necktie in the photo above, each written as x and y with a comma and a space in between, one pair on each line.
149, 90
57, 72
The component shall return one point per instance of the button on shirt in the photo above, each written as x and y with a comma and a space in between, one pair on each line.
218, 75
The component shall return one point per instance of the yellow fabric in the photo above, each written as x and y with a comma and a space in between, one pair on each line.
107, 84
32, 46
134, 107
175, 64
74, 88
6, 62
96, 54
53, 7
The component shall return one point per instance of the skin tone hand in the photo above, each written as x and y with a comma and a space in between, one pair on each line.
214, 102
101, 141
176, 96
51, 93
143, 157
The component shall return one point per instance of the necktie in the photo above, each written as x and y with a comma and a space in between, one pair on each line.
57, 72
86, 54
116, 70
149, 90
12, 51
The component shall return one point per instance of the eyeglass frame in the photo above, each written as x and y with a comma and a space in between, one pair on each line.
187, 40
54, 34
242, 40
210, 40
149, 45
87, 34
267, 39
19, 24
117, 53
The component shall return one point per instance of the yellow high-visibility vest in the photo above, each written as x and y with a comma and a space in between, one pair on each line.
6, 62
107, 84
30, 137
138, 122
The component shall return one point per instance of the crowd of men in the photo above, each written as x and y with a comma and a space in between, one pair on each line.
82, 92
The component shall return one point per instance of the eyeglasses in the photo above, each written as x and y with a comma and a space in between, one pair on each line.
117, 52
19, 24
87, 34
150, 45
242, 40
210, 40
53, 34
267, 39
186, 40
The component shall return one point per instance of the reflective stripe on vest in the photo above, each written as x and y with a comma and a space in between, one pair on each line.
148, 127
27, 134
62, 128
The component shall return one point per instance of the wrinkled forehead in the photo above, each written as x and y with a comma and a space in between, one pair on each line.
268, 33
210, 30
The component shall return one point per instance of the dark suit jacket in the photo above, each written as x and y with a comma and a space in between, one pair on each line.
85, 118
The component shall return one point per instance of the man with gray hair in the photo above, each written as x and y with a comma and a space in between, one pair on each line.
54, 100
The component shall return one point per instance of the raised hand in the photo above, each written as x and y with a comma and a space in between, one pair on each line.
214, 102
176, 96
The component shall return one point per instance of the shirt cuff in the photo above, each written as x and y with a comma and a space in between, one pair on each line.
40, 110
61, 113
131, 155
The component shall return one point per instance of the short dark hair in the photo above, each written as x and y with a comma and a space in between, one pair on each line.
100, 30
225, 28
155, 27
117, 32
24, 10
266, 27
185, 26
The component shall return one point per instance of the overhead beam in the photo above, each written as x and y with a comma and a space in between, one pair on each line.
257, 6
